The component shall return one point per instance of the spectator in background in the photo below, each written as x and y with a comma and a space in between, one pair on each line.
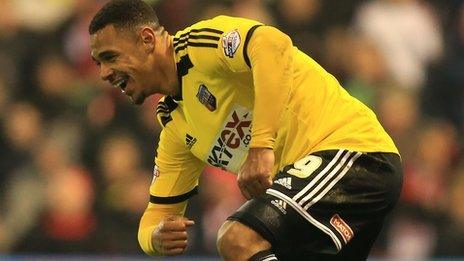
252, 9
75, 43
56, 81
22, 129
42, 16
26, 29
427, 175
302, 20
178, 13
414, 232
365, 68
5, 97
407, 34
213, 8
335, 56
56, 214
9, 48
106, 111
68, 223
122, 195
450, 238
5, 100
411, 237
398, 110
443, 95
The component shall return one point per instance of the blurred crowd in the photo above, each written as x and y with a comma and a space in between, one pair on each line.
76, 157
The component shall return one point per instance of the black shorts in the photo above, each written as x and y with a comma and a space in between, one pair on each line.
329, 205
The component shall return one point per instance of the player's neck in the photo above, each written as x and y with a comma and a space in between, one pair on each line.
167, 63
174, 79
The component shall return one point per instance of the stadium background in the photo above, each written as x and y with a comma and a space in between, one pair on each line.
76, 156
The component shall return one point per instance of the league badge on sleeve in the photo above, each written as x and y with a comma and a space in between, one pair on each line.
231, 42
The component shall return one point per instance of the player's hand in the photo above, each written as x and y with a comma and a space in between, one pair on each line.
170, 237
255, 176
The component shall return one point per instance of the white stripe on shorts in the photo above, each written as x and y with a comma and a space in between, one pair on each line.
330, 186
319, 176
307, 216
333, 173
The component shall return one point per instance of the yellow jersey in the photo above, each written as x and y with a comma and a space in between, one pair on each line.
245, 85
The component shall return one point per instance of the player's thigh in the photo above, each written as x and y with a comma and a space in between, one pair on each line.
233, 230
326, 201
239, 239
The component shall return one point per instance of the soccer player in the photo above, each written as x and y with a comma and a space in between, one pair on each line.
318, 170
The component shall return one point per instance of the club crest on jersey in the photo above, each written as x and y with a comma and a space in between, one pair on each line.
206, 97
230, 43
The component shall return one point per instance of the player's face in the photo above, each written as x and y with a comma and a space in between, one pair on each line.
124, 62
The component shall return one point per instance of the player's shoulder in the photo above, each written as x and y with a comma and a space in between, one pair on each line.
199, 42
209, 41
207, 33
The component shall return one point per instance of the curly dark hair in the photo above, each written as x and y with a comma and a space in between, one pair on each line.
124, 14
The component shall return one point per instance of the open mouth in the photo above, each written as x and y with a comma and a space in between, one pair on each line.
120, 81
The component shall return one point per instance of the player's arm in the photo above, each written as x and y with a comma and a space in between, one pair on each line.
163, 229
271, 61
268, 54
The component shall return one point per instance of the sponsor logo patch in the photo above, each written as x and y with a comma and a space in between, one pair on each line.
232, 141
189, 141
230, 43
280, 204
156, 173
286, 182
345, 231
206, 97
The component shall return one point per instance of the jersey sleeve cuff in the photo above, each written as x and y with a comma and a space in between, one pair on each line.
173, 199
262, 143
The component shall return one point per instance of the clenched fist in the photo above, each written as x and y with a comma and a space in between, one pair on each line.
255, 176
170, 237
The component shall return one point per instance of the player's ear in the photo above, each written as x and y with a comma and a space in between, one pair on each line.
147, 36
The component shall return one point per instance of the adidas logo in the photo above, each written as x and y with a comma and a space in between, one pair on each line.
280, 204
286, 182
189, 141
